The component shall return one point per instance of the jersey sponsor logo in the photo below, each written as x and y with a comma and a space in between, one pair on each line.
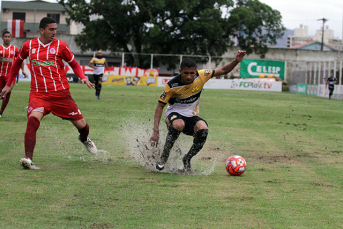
6, 59
12, 52
52, 51
207, 72
163, 96
191, 99
43, 63
33, 51
0, 51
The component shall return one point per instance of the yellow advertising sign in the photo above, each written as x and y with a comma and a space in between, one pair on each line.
148, 81
116, 80
129, 80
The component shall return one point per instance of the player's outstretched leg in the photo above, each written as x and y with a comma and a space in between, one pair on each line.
198, 142
89, 144
4, 103
172, 136
30, 142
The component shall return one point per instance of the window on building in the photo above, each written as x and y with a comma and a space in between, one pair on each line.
56, 17
19, 16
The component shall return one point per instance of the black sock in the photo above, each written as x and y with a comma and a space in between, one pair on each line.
172, 135
198, 142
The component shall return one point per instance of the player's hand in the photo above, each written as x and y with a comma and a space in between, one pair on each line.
154, 139
89, 84
24, 73
5, 91
95, 67
240, 55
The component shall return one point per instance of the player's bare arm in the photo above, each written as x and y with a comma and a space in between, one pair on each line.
230, 66
155, 134
91, 65
5, 91
106, 66
78, 71
22, 70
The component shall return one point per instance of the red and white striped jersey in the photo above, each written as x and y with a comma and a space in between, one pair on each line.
7, 56
46, 64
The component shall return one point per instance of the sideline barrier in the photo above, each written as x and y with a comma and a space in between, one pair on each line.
256, 85
319, 90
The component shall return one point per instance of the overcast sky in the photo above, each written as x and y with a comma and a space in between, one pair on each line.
307, 12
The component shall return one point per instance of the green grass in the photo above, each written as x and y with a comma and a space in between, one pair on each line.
292, 144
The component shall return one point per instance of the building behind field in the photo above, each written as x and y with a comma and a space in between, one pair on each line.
301, 39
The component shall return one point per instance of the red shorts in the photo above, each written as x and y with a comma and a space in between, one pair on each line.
60, 103
3, 81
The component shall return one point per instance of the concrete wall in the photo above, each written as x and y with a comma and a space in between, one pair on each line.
297, 61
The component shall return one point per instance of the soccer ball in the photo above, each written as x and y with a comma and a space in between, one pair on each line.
236, 165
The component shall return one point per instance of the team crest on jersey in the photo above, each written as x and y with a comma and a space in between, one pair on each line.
33, 51
52, 51
0, 51
12, 52
195, 89
207, 72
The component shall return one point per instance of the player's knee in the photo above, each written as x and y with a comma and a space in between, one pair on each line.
178, 125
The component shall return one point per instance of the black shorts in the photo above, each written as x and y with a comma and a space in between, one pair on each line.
332, 87
97, 78
190, 122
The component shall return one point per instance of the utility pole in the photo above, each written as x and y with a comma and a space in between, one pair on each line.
324, 20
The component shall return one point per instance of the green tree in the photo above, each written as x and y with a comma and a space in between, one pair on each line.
193, 27
255, 25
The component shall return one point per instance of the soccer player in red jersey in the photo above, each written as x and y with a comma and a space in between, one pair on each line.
49, 86
8, 53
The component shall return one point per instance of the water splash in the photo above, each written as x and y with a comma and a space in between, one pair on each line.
137, 135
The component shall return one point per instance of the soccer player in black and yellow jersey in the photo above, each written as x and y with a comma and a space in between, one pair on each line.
182, 93
99, 64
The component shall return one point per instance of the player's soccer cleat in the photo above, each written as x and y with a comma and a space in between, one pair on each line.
0, 115
98, 96
159, 166
90, 146
26, 163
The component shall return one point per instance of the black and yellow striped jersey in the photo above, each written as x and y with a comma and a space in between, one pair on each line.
184, 98
100, 64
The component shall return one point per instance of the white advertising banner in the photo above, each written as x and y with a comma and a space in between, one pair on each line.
256, 85
323, 91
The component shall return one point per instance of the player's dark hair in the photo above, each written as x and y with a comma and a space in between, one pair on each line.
45, 21
188, 62
3, 34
